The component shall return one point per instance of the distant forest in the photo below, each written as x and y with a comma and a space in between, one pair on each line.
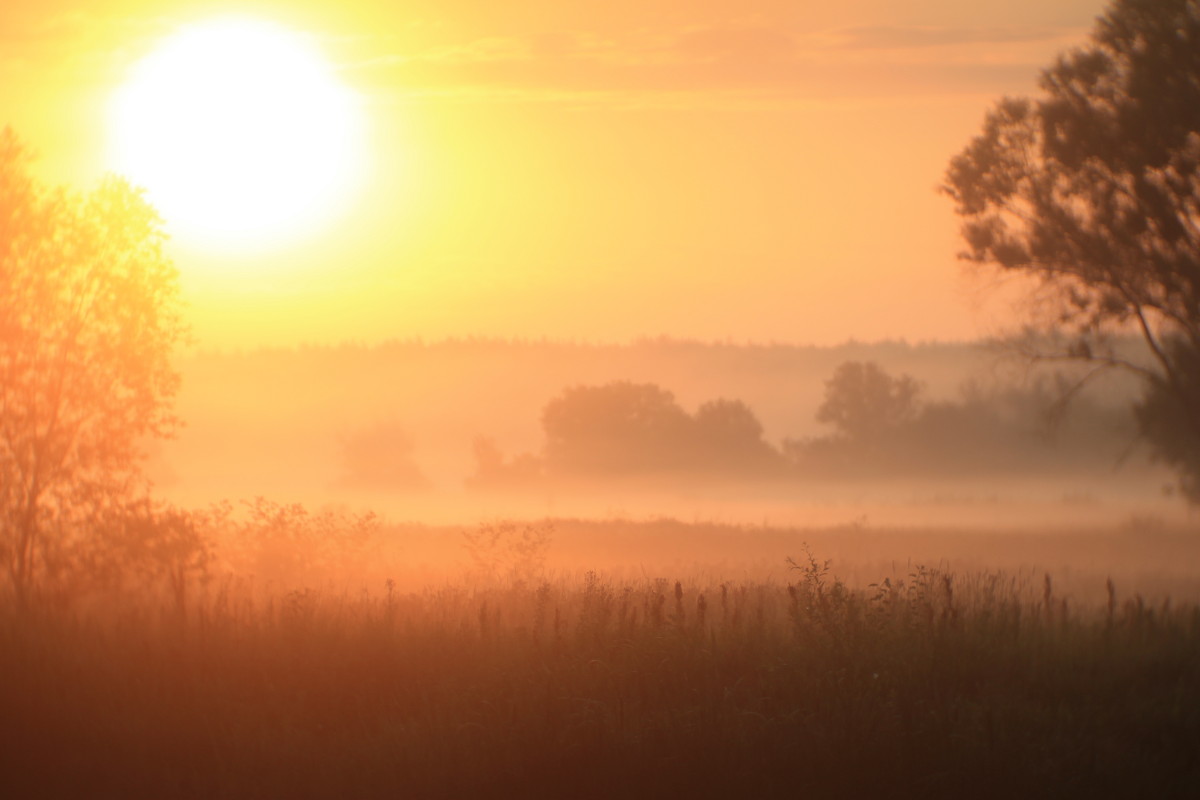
496, 415
879, 427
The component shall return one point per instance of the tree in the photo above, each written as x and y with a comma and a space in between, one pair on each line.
621, 427
1165, 421
89, 316
730, 439
862, 401
494, 471
1093, 192
148, 544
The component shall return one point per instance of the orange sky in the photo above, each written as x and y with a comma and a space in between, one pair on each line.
745, 169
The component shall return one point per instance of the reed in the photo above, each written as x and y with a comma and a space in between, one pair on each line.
925, 683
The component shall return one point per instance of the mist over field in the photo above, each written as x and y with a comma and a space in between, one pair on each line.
454, 432
752, 399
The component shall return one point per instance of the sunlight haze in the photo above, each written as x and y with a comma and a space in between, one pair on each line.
760, 171
240, 134
599, 399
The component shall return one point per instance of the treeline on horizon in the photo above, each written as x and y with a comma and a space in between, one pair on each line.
511, 415
883, 349
879, 426
659, 342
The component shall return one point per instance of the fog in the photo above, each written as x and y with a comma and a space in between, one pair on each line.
458, 431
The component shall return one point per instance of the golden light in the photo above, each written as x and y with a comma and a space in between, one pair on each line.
240, 133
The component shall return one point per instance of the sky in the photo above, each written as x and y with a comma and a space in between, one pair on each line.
747, 170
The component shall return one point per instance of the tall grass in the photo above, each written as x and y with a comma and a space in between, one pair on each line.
925, 684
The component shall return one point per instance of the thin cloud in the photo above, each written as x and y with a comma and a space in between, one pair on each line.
889, 37
755, 44
77, 46
756, 60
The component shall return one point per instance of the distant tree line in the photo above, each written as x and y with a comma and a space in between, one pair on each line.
879, 425
882, 426
634, 429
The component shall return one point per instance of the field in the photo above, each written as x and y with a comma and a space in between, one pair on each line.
711, 670
580, 400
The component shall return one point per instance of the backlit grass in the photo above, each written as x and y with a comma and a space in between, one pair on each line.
929, 684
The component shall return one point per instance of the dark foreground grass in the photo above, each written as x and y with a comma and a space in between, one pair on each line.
935, 686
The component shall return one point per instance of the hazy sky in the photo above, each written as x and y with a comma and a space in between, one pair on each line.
746, 169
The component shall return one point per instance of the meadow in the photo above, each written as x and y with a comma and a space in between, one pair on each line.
549, 265
501, 667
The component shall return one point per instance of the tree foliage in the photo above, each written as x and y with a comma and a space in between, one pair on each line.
624, 428
1093, 191
1164, 419
615, 428
994, 427
494, 471
863, 401
730, 437
89, 316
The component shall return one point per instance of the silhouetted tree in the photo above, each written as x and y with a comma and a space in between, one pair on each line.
148, 544
862, 401
1093, 190
1166, 420
624, 428
88, 320
494, 471
989, 429
730, 438
620, 427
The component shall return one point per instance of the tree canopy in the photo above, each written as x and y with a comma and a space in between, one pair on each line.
1093, 191
89, 316
862, 400
619, 427
625, 428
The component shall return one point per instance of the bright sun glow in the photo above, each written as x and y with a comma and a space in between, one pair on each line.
240, 133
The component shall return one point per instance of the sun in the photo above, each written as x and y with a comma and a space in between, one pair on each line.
240, 133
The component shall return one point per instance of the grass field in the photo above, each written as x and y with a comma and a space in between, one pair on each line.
927, 683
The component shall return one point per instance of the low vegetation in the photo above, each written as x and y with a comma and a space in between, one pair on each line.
510, 682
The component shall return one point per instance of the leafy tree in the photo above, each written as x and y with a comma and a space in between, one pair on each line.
628, 428
89, 315
621, 427
730, 438
145, 544
1166, 421
863, 401
1093, 191
494, 471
